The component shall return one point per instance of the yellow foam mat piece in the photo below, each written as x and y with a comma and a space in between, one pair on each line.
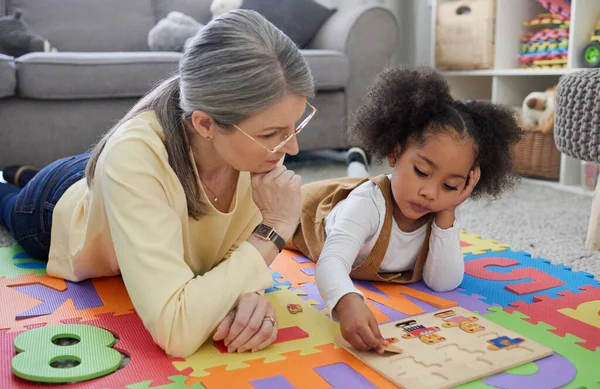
476, 245
321, 330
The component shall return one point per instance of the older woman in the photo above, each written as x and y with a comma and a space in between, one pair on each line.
186, 197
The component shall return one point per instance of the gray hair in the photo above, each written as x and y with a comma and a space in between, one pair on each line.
234, 67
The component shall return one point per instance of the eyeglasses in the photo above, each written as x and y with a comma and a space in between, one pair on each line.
288, 136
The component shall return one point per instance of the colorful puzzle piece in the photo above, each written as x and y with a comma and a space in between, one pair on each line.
98, 296
148, 361
338, 375
292, 270
320, 329
287, 334
301, 259
476, 245
396, 298
499, 277
310, 293
299, 372
83, 294
14, 262
277, 283
566, 315
179, 382
559, 372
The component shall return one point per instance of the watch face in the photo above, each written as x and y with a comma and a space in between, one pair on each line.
263, 230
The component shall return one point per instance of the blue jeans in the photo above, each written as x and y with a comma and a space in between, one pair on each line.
27, 213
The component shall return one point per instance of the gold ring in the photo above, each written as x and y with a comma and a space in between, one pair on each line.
271, 319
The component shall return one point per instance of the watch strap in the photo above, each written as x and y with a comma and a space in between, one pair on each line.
273, 236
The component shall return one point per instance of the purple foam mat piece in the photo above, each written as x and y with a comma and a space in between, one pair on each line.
342, 376
83, 294
301, 259
338, 375
275, 382
310, 288
554, 371
309, 271
471, 302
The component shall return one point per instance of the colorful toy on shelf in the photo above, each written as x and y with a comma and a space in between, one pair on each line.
591, 51
545, 48
559, 7
547, 19
548, 47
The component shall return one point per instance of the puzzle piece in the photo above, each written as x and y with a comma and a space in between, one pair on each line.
14, 262
338, 375
564, 314
385, 314
299, 372
287, 334
397, 300
277, 283
301, 259
179, 382
475, 244
518, 272
83, 294
320, 329
559, 372
291, 270
110, 297
311, 294
148, 361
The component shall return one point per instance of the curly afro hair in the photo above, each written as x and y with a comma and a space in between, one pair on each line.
406, 105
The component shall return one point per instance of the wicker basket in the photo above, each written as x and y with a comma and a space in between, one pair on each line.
536, 155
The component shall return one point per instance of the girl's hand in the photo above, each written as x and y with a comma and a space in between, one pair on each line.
358, 324
474, 176
248, 326
445, 218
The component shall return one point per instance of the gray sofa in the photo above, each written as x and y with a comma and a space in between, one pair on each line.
57, 104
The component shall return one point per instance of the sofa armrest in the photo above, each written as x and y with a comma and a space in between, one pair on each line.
8, 76
368, 35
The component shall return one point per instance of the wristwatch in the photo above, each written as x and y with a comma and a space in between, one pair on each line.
266, 232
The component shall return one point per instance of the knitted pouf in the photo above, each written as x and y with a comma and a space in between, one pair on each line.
577, 116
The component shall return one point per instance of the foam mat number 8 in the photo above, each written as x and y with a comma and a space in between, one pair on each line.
40, 351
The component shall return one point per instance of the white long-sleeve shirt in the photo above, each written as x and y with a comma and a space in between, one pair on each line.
352, 228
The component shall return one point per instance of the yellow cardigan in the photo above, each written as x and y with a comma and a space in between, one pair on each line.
183, 275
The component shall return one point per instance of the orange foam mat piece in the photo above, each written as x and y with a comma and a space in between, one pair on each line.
297, 369
110, 290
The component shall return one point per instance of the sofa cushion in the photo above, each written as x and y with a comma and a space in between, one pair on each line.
89, 25
64, 75
330, 69
298, 19
198, 9
8, 78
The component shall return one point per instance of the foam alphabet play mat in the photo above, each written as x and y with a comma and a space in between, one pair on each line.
515, 322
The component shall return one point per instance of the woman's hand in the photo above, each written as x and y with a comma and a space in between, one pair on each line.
358, 324
277, 196
248, 327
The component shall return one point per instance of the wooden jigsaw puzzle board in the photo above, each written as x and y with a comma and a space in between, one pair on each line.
448, 348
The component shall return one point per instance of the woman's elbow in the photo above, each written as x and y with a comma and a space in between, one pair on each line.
179, 342
179, 348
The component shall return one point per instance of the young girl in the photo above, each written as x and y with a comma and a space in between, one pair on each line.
405, 226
